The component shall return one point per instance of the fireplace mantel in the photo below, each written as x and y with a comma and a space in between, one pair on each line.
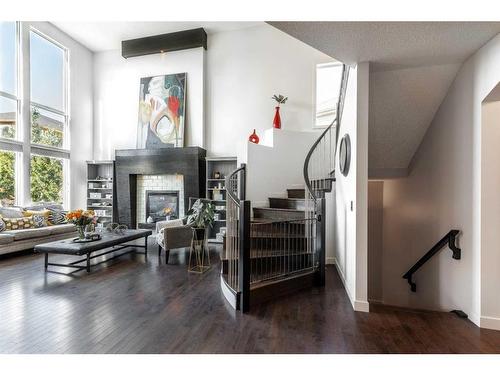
187, 161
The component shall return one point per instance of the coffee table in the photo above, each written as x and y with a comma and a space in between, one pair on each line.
113, 241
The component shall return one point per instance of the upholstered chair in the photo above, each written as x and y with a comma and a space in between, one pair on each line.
172, 234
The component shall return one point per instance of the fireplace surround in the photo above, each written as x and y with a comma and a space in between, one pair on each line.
186, 161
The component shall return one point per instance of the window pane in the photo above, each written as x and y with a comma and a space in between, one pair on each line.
8, 117
8, 57
46, 179
47, 128
7, 178
328, 79
47, 72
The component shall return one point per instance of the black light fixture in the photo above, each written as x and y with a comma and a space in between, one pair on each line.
177, 41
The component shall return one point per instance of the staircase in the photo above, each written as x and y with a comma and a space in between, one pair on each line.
275, 250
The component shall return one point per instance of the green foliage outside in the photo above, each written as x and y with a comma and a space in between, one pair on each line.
8, 131
46, 173
46, 179
44, 135
7, 181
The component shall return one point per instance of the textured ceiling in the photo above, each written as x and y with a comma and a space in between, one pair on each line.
103, 36
402, 105
412, 65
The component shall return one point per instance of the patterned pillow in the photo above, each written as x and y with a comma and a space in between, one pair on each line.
57, 217
45, 214
19, 223
39, 221
2, 225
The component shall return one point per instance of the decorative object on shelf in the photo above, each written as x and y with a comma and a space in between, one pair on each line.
345, 154
109, 196
95, 195
162, 111
150, 220
280, 99
81, 218
116, 228
217, 175
217, 194
254, 138
217, 216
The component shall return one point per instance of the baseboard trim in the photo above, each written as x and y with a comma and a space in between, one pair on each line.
330, 260
490, 322
362, 306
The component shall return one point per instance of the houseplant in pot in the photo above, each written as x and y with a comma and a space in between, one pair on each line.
81, 219
200, 216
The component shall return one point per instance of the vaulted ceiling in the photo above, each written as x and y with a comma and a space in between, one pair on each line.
412, 65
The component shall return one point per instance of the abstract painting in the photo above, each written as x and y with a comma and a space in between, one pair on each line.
162, 106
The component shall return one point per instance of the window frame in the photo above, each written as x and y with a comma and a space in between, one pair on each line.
18, 95
315, 86
65, 112
21, 145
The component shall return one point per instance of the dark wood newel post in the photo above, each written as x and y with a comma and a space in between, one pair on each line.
320, 239
244, 256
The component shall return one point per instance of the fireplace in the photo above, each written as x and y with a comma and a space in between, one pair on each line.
130, 165
162, 204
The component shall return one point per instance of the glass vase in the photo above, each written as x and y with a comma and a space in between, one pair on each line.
81, 232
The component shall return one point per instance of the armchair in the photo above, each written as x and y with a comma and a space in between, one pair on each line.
172, 234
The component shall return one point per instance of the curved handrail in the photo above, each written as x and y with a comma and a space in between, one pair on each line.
230, 193
308, 157
336, 122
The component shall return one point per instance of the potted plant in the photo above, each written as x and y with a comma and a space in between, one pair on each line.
200, 216
81, 218
280, 99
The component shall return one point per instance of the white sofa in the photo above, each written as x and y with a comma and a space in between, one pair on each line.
24, 239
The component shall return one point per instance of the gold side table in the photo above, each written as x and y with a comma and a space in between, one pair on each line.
199, 253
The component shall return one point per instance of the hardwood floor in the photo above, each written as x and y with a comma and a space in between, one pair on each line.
132, 306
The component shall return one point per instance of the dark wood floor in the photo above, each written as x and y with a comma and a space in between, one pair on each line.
130, 306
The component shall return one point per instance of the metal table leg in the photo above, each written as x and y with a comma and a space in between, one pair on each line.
46, 261
88, 262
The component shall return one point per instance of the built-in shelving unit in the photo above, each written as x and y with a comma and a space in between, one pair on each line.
216, 191
100, 190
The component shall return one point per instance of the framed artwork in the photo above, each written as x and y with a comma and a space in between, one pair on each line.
162, 107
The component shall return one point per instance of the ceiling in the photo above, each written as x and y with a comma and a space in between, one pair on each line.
104, 36
412, 65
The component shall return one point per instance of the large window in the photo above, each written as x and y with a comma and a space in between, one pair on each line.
328, 79
48, 91
7, 178
8, 79
34, 141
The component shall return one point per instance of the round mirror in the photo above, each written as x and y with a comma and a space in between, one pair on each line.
345, 154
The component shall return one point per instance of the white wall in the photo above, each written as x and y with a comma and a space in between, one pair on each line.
116, 96
235, 78
278, 166
351, 226
490, 213
81, 91
443, 192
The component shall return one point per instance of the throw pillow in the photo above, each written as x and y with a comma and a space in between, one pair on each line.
39, 221
57, 217
19, 223
11, 212
2, 225
45, 214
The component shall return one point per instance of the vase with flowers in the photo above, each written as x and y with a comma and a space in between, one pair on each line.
81, 219
280, 99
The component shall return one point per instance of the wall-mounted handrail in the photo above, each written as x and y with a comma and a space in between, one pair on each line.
449, 239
